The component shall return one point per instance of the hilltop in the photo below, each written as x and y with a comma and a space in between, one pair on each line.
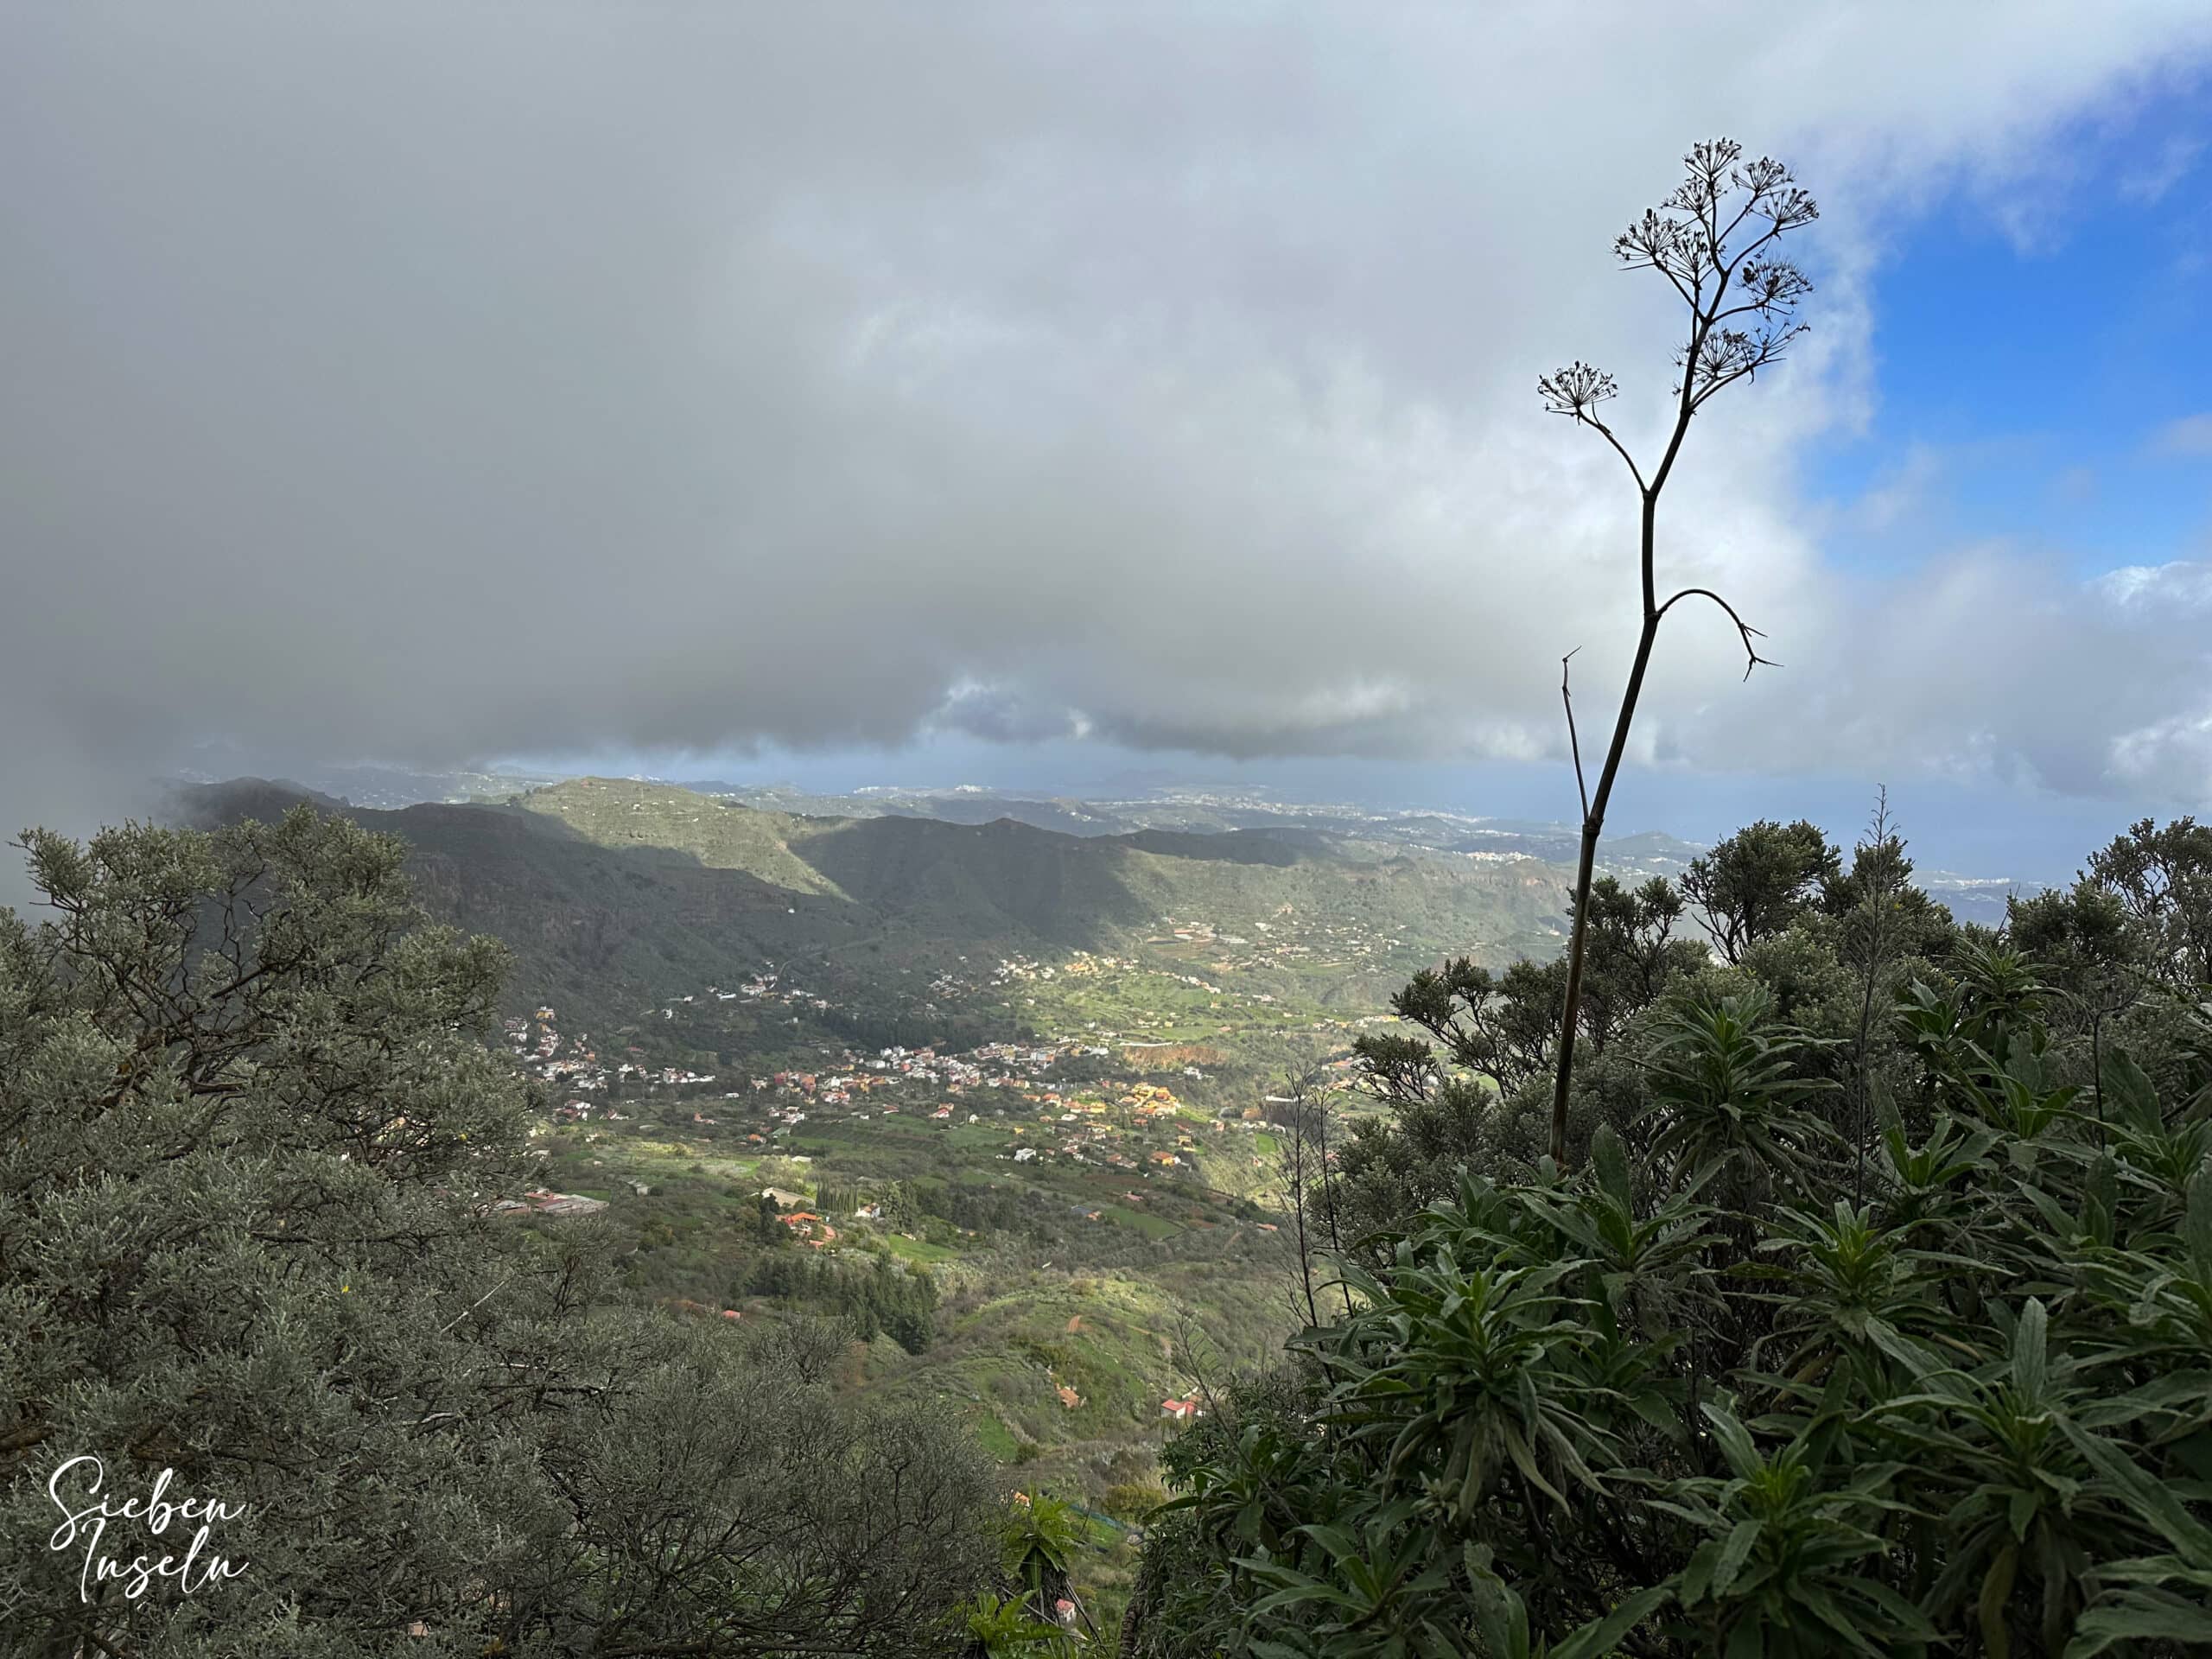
616, 892
1632, 856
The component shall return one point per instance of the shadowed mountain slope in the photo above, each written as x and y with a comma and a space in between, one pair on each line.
614, 893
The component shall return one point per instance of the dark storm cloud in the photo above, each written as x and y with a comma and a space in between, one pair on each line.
434, 383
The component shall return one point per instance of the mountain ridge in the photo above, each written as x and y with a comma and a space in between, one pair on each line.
614, 892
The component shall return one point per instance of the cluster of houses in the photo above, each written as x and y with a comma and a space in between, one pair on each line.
807, 1225
1045, 1099
572, 1066
1286, 938
1009, 1085
538, 1043
761, 988
539, 1201
535, 1040
1289, 940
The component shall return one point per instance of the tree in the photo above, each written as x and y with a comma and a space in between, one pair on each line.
1503, 1027
2163, 876
2098, 955
253, 1138
1500, 1027
1912, 924
1879, 867
902, 1208
1473, 1095
1741, 297
2085, 934
813, 1347
1632, 954
767, 1224
1697, 1398
1758, 881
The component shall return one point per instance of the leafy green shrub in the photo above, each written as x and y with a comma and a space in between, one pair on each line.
1749, 1382
1001, 1628
1133, 1500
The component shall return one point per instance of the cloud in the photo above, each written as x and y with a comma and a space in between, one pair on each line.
2075, 485
1990, 665
2190, 436
1903, 491
2175, 159
418, 383
2181, 590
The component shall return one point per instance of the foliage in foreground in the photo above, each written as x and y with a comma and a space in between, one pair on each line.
1752, 1381
250, 1135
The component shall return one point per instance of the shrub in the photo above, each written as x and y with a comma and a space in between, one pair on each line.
1747, 1384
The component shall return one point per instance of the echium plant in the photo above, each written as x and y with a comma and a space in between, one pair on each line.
1723, 1391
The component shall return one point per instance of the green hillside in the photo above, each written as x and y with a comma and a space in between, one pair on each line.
932, 883
615, 893
1091, 1181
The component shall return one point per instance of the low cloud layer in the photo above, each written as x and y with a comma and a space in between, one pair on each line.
429, 384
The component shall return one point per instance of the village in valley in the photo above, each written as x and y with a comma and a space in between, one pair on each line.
1027, 1166
1123, 1110
1103, 1103
1073, 1212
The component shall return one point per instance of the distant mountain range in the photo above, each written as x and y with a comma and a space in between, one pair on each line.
1649, 853
389, 788
614, 892
1646, 853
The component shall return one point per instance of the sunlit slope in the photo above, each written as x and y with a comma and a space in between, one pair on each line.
618, 892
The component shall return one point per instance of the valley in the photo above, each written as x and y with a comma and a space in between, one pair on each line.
992, 1107
993, 1102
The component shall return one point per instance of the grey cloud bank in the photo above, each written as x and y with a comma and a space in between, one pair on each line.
434, 384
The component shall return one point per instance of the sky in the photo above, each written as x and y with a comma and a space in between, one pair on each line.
1089, 397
